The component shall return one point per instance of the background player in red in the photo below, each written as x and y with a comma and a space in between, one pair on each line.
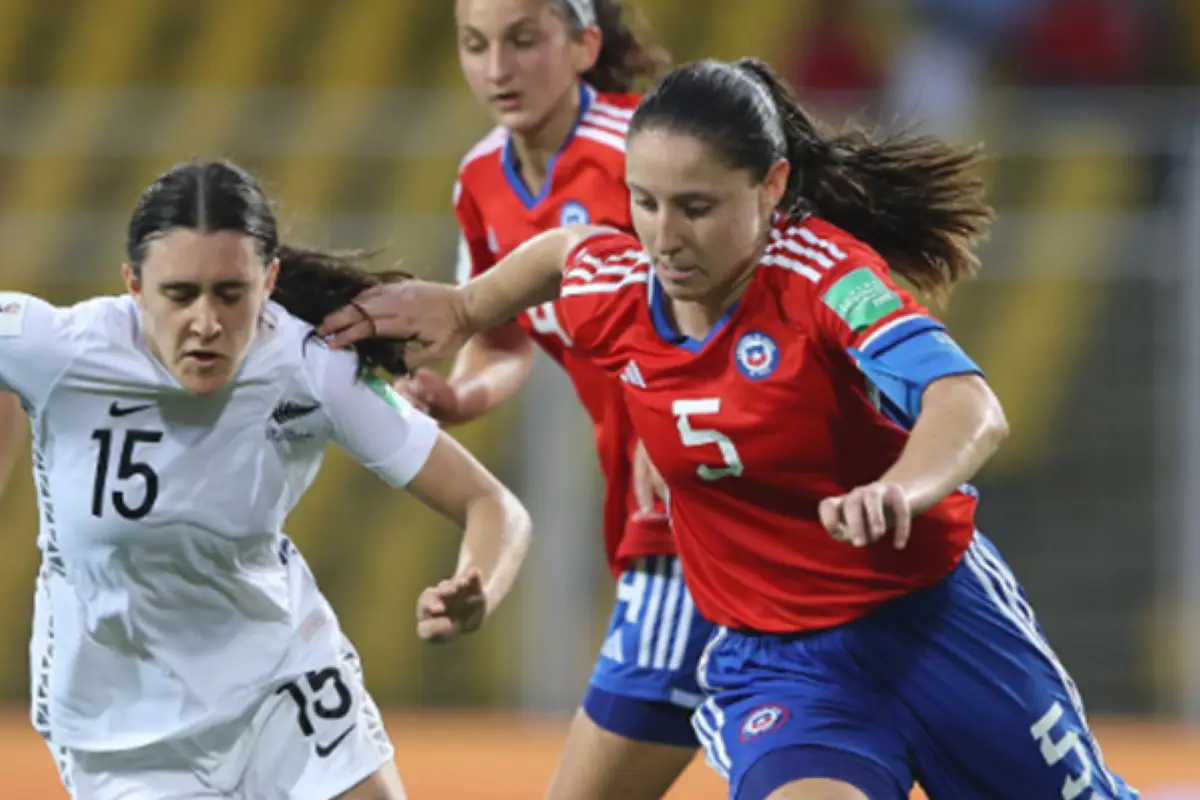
801, 407
556, 77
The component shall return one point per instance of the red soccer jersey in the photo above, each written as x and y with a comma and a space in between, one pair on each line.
496, 213
754, 426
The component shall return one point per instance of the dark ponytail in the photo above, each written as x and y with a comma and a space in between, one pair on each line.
213, 195
624, 57
915, 199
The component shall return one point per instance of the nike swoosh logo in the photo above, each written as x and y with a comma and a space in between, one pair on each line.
117, 410
323, 751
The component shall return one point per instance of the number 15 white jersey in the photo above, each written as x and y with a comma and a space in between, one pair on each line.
167, 600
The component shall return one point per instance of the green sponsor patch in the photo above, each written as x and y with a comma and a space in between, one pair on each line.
861, 299
389, 395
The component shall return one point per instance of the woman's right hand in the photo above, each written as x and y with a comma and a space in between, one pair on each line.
453, 607
429, 317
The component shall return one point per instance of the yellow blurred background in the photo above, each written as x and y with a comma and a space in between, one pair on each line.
354, 114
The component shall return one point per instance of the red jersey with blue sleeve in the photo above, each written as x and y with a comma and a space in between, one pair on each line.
585, 182
771, 413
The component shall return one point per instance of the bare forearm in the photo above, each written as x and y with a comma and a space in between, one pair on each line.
960, 427
497, 536
496, 527
489, 370
481, 392
529, 275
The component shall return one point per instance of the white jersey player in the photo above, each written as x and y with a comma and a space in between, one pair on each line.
180, 646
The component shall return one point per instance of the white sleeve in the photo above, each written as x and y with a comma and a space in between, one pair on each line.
369, 420
35, 346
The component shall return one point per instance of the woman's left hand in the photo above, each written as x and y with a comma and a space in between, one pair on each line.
864, 515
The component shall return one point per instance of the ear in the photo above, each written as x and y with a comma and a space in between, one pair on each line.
586, 46
133, 284
775, 185
272, 275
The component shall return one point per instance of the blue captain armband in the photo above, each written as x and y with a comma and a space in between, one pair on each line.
902, 359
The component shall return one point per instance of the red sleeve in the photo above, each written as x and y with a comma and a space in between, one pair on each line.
599, 277
856, 298
474, 255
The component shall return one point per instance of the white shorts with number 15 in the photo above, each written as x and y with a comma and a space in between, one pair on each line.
312, 738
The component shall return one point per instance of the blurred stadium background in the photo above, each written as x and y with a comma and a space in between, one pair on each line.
1087, 318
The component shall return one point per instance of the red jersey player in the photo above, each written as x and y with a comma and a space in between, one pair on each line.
556, 77
800, 406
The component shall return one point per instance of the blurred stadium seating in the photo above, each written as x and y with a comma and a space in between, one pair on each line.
355, 115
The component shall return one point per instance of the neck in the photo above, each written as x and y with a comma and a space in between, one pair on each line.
535, 147
697, 318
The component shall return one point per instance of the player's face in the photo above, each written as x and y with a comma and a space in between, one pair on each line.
201, 294
519, 59
703, 224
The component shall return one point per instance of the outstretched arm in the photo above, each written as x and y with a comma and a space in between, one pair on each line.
439, 318
404, 447
960, 426
496, 538
488, 370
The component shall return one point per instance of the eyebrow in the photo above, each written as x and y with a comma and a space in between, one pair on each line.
680, 197
525, 20
226, 284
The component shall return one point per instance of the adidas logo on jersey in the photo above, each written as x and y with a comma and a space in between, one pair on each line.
632, 374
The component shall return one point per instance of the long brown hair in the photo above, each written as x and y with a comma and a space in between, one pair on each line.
917, 200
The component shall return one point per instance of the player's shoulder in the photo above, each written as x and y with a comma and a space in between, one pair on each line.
617, 105
294, 337
492, 143
113, 313
607, 262
111, 318
298, 348
807, 254
816, 268
480, 169
607, 252
22, 313
603, 126
42, 343
321, 376
290, 356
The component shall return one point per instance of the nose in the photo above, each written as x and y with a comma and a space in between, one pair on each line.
204, 322
667, 232
497, 65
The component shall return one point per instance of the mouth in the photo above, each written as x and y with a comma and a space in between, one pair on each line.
507, 101
676, 273
204, 359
